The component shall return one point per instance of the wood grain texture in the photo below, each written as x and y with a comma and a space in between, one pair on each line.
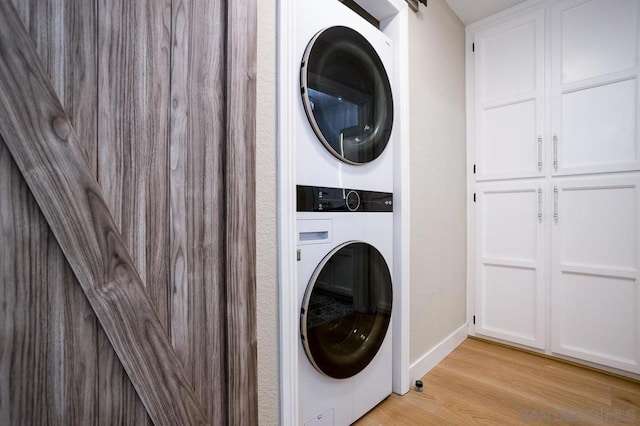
133, 108
483, 383
48, 371
163, 94
43, 144
197, 202
240, 211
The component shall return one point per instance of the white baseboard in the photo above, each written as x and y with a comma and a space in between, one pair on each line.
439, 352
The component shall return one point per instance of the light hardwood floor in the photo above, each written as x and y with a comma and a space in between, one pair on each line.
484, 383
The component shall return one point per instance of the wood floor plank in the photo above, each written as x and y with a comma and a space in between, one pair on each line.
568, 374
481, 383
44, 146
517, 379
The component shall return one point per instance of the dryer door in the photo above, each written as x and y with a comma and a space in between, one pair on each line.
346, 310
346, 95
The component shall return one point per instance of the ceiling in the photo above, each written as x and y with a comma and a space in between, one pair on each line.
470, 11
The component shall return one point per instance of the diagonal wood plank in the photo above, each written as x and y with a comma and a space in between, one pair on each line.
44, 146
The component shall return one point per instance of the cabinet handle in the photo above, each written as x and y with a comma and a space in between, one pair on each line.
555, 151
555, 204
539, 205
540, 153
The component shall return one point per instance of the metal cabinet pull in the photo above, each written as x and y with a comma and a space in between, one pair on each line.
540, 153
539, 205
555, 204
555, 151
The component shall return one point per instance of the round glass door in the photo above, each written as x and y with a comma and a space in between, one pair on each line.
346, 310
346, 95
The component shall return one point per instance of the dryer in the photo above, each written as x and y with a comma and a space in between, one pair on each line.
344, 118
345, 296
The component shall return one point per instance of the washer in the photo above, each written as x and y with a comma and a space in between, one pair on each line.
345, 296
344, 118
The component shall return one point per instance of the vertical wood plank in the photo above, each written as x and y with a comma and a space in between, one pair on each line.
240, 208
134, 55
48, 362
26, 384
196, 198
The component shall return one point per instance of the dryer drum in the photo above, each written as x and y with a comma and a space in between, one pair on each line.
346, 95
346, 310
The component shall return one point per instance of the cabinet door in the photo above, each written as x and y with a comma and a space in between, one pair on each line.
509, 98
594, 86
510, 292
595, 261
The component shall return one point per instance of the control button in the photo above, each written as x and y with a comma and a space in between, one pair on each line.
352, 201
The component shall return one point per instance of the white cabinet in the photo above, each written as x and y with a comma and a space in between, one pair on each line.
554, 148
594, 86
510, 293
595, 270
509, 93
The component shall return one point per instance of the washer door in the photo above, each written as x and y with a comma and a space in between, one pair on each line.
346, 95
346, 310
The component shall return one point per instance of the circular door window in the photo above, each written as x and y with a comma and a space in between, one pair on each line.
346, 310
346, 95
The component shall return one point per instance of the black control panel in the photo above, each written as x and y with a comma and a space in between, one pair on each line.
323, 199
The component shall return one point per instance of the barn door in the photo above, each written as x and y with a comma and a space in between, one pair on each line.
126, 212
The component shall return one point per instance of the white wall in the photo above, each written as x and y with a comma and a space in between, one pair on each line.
438, 178
267, 248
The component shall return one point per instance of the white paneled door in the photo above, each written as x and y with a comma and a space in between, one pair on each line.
509, 92
594, 86
595, 263
510, 291
554, 126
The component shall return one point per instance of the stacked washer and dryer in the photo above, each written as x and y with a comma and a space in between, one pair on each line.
344, 178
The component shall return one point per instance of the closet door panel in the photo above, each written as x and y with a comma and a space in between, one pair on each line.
508, 60
509, 146
595, 86
602, 29
509, 91
510, 262
595, 264
599, 126
599, 319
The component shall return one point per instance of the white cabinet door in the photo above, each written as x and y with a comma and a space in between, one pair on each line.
510, 292
595, 263
594, 86
509, 99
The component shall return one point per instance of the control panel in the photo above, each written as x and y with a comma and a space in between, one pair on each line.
324, 199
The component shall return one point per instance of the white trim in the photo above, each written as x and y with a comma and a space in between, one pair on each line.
289, 407
396, 27
426, 362
504, 14
471, 159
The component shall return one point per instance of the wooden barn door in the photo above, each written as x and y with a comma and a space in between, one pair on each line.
127, 217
